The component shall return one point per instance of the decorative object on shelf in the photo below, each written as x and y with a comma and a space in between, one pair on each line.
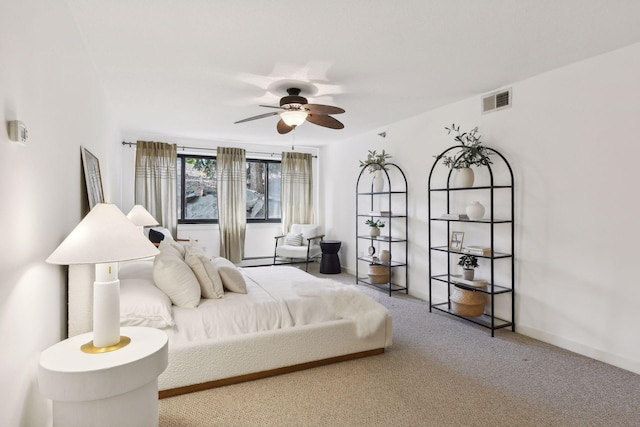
385, 256
468, 263
375, 226
378, 274
476, 283
472, 153
477, 250
464, 178
467, 303
475, 210
454, 216
376, 163
371, 251
378, 181
455, 244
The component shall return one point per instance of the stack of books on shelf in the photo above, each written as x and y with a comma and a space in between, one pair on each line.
380, 213
457, 278
477, 250
454, 216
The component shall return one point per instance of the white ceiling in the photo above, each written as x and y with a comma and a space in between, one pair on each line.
190, 68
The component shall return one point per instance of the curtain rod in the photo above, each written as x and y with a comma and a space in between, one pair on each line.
184, 147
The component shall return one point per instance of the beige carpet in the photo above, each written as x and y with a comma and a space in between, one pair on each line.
440, 371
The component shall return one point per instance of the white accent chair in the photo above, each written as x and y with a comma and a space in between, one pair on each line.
286, 253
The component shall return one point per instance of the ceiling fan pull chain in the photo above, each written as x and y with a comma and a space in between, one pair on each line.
293, 138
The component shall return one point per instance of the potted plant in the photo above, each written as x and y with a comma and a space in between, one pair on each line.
375, 225
468, 263
376, 163
472, 153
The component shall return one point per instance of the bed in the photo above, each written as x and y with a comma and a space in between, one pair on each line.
258, 322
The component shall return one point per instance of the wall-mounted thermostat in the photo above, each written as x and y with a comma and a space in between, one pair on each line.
17, 131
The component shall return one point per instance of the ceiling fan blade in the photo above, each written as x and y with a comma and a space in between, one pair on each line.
283, 127
323, 109
261, 116
271, 106
323, 120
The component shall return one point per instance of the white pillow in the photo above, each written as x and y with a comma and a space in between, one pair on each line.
232, 278
174, 277
171, 246
143, 304
292, 239
208, 277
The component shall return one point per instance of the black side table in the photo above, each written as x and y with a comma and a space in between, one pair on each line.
330, 263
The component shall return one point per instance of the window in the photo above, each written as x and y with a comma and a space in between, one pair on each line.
197, 196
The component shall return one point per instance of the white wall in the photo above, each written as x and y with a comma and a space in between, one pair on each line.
572, 141
47, 82
259, 238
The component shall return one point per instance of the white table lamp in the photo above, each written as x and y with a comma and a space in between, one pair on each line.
141, 217
104, 237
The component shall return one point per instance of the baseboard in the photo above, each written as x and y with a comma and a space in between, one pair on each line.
580, 348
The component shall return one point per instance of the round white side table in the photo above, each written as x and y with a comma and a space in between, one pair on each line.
118, 388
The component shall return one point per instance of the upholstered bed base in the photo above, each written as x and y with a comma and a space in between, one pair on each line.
201, 365
246, 357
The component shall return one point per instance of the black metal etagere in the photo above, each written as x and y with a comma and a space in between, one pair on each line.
488, 320
396, 241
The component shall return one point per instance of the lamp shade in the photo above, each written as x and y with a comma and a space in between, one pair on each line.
141, 217
104, 235
293, 117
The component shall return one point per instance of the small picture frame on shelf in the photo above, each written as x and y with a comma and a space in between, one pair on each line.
455, 244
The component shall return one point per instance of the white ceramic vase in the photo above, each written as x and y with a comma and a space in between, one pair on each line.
378, 181
374, 231
464, 178
385, 256
475, 210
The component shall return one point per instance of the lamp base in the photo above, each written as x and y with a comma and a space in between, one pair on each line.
92, 349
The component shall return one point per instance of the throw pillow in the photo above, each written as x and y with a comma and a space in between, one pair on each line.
232, 278
209, 279
155, 236
175, 278
293, 239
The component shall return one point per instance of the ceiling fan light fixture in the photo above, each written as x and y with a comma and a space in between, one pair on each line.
293, 117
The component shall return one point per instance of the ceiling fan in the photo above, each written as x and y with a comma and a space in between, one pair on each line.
294, 110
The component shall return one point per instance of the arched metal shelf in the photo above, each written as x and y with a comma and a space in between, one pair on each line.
396, 242
506, 184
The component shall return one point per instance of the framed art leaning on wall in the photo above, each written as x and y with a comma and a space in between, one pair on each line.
92, 177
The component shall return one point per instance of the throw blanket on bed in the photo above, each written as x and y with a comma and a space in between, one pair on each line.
348, 302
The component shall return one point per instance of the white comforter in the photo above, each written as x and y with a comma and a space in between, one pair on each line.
277, 297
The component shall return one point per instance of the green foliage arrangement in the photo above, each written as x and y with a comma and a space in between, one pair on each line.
377, 223
375, 161
468, 262
472, 153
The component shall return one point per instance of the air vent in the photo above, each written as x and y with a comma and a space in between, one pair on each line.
496, 101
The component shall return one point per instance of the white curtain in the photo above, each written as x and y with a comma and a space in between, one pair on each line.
297, 190
232, 201
155, 183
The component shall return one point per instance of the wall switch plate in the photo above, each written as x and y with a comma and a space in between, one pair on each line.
17, 131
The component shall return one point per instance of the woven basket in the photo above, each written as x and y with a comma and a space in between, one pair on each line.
378, 274
467, 303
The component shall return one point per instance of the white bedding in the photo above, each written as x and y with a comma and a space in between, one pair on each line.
277, 297
268, 304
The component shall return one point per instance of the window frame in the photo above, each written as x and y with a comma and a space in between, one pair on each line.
181, 220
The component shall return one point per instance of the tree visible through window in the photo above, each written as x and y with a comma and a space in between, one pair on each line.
198, 202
